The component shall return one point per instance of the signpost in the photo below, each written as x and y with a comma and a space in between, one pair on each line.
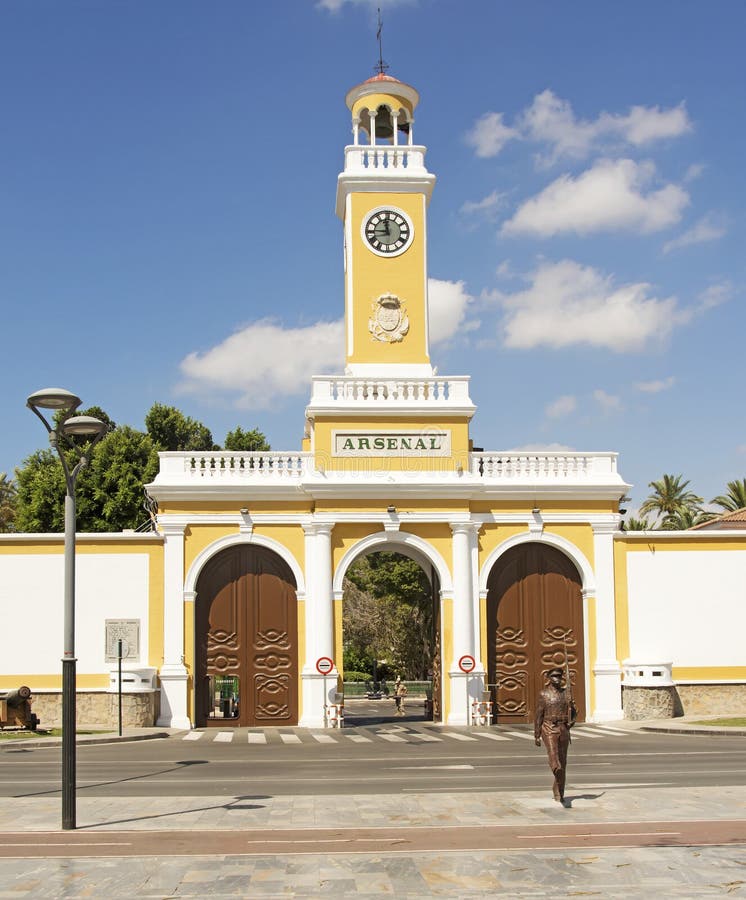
324, 665
467, 664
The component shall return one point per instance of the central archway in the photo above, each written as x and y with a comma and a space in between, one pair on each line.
408, 641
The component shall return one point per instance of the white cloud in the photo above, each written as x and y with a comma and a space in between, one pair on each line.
656, 386
608, 402
694, 171
551, 121
707, 229
334, 6
487, 207
567, 304
448, 304
714, 295
607, 197
489, 135
264, 362
561, 407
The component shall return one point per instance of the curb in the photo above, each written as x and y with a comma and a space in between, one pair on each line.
88, 739
694, 729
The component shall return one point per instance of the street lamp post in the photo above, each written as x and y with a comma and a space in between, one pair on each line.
61, 432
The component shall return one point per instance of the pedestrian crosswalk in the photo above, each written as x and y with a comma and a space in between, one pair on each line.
392, 734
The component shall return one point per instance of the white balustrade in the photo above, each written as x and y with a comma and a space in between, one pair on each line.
540, 466
402, 159
342, 389
232, 465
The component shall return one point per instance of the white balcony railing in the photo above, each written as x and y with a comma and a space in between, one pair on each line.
343, 389
178, 467
545, 467
402, 160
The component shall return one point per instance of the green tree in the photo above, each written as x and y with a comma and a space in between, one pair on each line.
109, 490
686, 518
669, 497
246, 441
122, 464
633, 524
734, 499
388, 613
170, 429
8, 499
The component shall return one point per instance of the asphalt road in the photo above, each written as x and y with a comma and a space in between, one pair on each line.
390, 756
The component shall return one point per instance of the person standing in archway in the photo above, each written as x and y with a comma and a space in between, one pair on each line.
400, 692
555, 716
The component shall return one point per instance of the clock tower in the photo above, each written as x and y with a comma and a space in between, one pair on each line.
382, 198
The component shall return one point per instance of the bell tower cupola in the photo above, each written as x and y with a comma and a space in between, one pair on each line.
382, 198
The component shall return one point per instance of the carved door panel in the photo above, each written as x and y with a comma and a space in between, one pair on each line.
245, 626
534, 606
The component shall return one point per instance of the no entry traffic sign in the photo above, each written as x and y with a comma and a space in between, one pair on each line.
324, 665
467, 663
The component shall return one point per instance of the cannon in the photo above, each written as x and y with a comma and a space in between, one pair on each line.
15, 709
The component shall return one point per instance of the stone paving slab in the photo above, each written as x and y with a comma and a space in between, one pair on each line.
604, 804
614, 874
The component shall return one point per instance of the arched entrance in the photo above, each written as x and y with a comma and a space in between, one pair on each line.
391, 627
534, 610
246, 625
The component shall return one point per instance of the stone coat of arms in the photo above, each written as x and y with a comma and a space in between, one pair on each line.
389, 321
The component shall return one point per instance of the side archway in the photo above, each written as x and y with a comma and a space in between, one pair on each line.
245, 638
535, 620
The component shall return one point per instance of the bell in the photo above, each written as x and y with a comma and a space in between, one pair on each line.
384, 123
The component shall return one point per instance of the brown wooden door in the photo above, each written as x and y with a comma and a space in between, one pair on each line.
534, 606
246, 640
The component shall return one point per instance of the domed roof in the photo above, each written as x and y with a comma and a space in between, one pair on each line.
381, 83
381, 76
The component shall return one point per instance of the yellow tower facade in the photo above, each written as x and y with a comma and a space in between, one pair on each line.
382, 198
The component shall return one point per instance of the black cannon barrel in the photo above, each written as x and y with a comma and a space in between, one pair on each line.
16, 698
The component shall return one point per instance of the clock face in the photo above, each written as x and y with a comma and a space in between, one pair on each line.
388, 232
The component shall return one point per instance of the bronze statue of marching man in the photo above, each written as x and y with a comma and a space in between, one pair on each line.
555, 716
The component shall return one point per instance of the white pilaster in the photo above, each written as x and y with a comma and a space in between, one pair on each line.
173, 673
606, 670
319, 623
464, 688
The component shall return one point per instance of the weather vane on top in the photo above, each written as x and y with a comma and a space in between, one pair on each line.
381, 66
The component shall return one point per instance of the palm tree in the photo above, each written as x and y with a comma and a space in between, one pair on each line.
686, 518
669, 497
633, 524
7, 502
734, 499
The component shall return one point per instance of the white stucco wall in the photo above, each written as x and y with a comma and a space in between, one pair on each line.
108, 586
687, 606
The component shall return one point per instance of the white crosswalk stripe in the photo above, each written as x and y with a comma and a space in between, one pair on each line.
400, 734
584, 733
521, 734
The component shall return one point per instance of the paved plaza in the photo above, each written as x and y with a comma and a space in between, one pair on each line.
382, 845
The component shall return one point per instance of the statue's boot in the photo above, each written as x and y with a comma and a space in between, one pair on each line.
556, 792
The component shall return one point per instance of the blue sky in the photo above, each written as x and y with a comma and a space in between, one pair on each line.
167, 227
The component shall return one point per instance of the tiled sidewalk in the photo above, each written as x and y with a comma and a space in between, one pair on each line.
607, 873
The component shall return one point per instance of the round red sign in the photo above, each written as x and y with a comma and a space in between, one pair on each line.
324, 665
467, 663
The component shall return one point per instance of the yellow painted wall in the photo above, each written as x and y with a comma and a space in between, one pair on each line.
373, 275
373, 101
458, 426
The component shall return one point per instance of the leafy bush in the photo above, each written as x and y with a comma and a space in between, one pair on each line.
357, 676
